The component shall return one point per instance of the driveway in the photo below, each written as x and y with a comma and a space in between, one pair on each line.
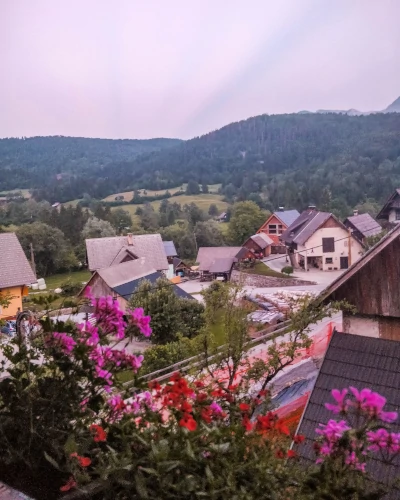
322, 278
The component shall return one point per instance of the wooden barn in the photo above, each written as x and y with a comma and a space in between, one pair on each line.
372, 285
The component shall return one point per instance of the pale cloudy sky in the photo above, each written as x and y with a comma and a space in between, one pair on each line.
181, 68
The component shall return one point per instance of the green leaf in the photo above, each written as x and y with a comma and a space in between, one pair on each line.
141, 485
52, 461
150, 471
189, 450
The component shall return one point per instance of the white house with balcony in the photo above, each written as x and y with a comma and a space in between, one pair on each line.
391, 209
318, 240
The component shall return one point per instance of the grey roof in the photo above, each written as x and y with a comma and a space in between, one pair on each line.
207, 255
389, 204
262, 240
305, 226
15, 269
360, 362
223, 265
287, 216
102, 252
365, 224
125, 272
170, 249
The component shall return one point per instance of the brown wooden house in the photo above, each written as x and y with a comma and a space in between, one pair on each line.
372, 285
260, 244
275, 225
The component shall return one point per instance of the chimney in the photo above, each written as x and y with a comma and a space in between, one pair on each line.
281, 209
355, 212
312, 207
130, 239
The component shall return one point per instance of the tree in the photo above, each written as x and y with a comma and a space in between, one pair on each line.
192, 188
121, 219
52, 251
204, 188
149, 219
208, 234
245, 221
193, 213
97, 228
213, 210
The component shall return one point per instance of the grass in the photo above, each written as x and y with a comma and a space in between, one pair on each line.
263, 270
203, 201
56, 280
213, 188
25, 192
217, 328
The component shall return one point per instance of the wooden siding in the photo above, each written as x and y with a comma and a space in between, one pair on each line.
99, 288
264, 228
375, 288
389, 328
331, 222
252, 245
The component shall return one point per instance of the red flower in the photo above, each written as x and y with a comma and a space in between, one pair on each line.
263, 393
298, 439
291, 454
206, 414
201, 396
217, 393
265, 422
71, 483
199, 383
99, 433
247, 424
244, 407
188, 422
186, 407
154, 385
280, 454
282, 427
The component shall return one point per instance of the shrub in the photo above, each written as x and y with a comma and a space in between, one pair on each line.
287, 270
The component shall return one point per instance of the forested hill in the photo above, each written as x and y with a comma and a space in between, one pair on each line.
290, 160
67, 162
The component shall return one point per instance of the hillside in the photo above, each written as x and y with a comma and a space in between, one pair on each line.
68, 166
394, 107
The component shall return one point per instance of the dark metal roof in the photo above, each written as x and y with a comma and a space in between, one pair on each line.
287, 216
207, 255
223, 265
383, 214
170, 249
127, 289
365, 224
360, 362
305, 226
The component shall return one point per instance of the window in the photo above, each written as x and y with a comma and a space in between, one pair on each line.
272, 229
397, 214
329, 260
280, 229
328, 245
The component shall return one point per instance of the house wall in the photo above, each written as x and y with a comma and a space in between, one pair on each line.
99, 288
252, 245
330, 230
392, 216
264, 229
372, 326
17, 292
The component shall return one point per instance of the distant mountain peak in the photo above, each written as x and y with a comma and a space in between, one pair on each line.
394, 107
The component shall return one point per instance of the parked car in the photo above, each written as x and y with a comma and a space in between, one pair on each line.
9, 328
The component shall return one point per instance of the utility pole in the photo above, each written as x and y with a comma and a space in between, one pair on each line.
349, 245
33, 260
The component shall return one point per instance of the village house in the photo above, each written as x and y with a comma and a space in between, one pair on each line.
106, 252
391, 209
15, 274
170, 251
318, 240
218, 262
259, 244
121, 281
275, 225
371, 285
362, 226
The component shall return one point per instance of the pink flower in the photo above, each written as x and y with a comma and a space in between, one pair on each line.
216, 408
372, 403
383, 440
64, 341
136, 362
353, 460
104, 374
341, 405
141, 321
333, 430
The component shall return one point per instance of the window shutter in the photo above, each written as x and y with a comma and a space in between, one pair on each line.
328, 245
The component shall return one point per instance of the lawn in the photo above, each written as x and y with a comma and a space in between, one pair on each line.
56, 280
25, 192
263, 270
213, 189
203, 201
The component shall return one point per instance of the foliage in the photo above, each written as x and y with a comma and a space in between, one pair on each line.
213, 210
287, 270
70, 288
120, 219
51, 250
170, 314
208, 234
246, 219
68, 421
193, 187
371, 241
97, 228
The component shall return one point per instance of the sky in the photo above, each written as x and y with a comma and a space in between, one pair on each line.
181, 68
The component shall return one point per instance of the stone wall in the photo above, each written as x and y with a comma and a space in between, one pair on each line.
259, 281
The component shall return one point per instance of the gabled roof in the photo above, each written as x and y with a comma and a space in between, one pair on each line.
361, 263
127, 289
287, 216
365, 224
223, 265
305, 226
125, 272
262, 240
383, 214
15, 269
170, 249
360, 362
207, 255
102, 252
124, 254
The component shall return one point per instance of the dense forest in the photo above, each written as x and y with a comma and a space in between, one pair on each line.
332, 160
